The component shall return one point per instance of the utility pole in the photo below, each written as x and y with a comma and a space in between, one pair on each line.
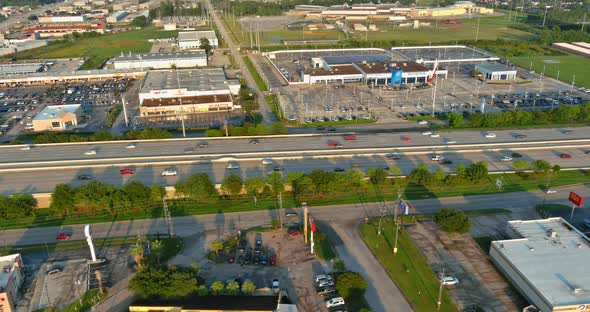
477, 29
433, 98
440, 288
125, 111
583, 21
545, 16
168, 218
281, 209
180, 101
305, 212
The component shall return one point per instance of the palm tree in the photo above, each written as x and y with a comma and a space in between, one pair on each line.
157, 249
138, 253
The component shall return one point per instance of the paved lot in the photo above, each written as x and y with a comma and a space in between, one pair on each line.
481, 285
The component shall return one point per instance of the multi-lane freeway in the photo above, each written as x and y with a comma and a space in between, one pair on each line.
40, 168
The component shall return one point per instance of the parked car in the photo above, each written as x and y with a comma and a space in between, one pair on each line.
242, 245
293, 232
232, 166
127, 171
422, 122
516, 155
169, 172
273, 260
264, 259
275, 285
505, 158
267, 162
320, 277
334, 302
550, 191
449, 280
63, 236
84, 176
339, 169
54, 271
394, 156
231, 258
437, 158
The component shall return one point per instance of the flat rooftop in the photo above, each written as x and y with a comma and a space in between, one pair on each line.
359, 58
207, 79
196, 35
54, 111
161, 56
380, 68
336, 70
221, 303
20, 68
494, 67
555, 265
6, 261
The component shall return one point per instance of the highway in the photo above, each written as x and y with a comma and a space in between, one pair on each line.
20, 170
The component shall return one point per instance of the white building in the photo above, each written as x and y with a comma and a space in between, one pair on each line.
166, 94
61, 19
192, 39
547, 262
117, 17
11, 279
187, 59
496, 71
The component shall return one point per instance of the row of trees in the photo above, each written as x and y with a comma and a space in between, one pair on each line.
16, 206
144, 134
476, 172
98, 197
561, 114
249, 129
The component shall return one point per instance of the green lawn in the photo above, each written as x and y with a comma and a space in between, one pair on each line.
98, 49
568, 66
490, 28
408, 268
255, 75
323, 247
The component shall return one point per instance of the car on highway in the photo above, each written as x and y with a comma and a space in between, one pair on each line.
267, 162
90, 152
490, 135
254, 141
63, 236
550, 191
566, 131
394, 156
339, 145
334, 302
449, 281
587, 152
293, 232
422, 122
169, 172
350, 138
25, 148
320, 128
426, 132
203, 145
406, 139
189, 150
232, 166
437, 158
331, 128
565, 156
127, 171
520, 136
435, 135
131, 146
84, 177
450, 141
276, 286
505, 158
333, 143
290, 214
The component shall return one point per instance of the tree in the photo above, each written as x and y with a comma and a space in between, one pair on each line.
166, 281
217, 288
275, 180
232, 184
254, 185
439, 175
232, 288
202, 290
452, 220
377, 175
139, 21
339, 265
477, 171
278, 128
32, 17
350, 284
198, 187
156, 248
455, 120
157, 193
216, 246
62, 199
541, 166
420, 174
137, 251
205, 45
520, 165
395, 170
248, 288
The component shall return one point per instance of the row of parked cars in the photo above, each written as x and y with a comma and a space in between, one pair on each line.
326, 288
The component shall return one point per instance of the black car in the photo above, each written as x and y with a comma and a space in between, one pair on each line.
254, 141
258, 243
203, 145
520, 136
446, 162
516, 155
242, 245
331, 129
277, 168
256, 260
394, 156
320, 128
257, 250
338, 169
84, 177
264, 260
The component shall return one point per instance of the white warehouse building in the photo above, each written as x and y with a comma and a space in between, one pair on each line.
192, 39
496, 71
546, 261
187, 59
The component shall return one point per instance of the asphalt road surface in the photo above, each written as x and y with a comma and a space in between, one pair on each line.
339, 222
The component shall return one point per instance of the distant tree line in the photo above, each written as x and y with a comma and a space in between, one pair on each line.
249, 129
16, 206
144, 134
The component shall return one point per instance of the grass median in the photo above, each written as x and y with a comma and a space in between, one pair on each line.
408, 268
255, 75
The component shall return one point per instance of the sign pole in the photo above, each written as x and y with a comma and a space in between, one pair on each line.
572, 215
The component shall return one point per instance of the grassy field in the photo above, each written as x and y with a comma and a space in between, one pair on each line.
568, 66
408, 268
490, 28
257, 78
98, 49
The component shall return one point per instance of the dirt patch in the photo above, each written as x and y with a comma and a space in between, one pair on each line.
481, 285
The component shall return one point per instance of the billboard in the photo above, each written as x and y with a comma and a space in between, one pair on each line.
396, 76
576, 199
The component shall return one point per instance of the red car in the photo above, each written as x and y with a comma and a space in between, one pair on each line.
406, 139
293, 232
332, 143
273, 260
350, 138
565, 156
231, 258
63, 236
127, 171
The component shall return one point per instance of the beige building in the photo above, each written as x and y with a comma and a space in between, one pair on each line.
11, 279
57, 118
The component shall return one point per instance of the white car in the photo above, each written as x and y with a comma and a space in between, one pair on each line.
422, 122
435, 135
267, 162
427, 133
450, 141
320, 277
169, 172
506, 158
325, 283
437, 158
449, 280
25, 148
334, 302
550, 191
490, 135
90, 152
275, 285
232, 166
130, 146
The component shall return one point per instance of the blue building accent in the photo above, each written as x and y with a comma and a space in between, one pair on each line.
396, 76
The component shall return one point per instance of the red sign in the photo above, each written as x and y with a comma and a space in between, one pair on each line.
576, 199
